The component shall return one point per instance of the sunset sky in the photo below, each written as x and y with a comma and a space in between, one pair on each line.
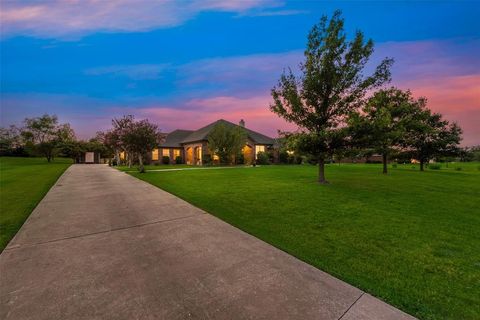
184, 64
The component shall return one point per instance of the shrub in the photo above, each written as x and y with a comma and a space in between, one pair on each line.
458, 168
178, 160
394, 165
283, 157
434, 166
165, 159
262, 158
240, 159
156, 164
207, 160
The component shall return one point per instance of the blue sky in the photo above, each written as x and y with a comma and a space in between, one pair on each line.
182, 64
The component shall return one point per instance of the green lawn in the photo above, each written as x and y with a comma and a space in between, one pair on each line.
410, 238
154, 167
23, 183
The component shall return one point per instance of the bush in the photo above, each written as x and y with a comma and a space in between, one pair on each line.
165, 159
434, 166
283, 157
178, 160
394, 165
240, 159
207, 160
262, 158
458, 168
156, 164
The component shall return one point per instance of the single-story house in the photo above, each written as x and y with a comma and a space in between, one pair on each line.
192, 145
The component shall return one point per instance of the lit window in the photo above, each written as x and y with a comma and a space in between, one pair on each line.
122, 155
259, 149
155, 154
289, 152
176, 153
215, 157
166, 152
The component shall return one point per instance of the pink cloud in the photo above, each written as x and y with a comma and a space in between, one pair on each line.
197, 113
457, 98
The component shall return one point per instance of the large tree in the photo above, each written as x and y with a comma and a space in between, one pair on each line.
226, 142
382, 121
429, 135
45, 134
331, 85
140, 138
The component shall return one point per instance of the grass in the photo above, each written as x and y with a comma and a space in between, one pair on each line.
24, 182
154, 167
410, 238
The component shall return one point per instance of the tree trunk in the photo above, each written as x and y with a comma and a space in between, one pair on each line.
384, 160
421, 165
140, 163
321, 171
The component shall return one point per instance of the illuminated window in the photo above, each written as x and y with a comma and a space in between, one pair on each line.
166, 152
176, 153
155, 154
215, 157
259, 149
289, 152
122, 155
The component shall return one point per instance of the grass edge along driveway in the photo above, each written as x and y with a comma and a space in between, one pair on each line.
23, 184
410, 238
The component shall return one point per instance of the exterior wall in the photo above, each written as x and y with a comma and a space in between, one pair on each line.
190, 152
171, 155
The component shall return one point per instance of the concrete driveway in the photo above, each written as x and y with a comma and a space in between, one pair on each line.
105, 245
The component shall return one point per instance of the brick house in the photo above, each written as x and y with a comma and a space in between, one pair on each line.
192, 146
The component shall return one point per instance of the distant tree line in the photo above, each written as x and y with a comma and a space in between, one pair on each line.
44, 136
339, 110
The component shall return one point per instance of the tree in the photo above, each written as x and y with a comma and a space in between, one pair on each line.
332, 84
382, 122
140, 138
116, 137
45, 134
72, 149
428, 135
10, 141
226, 142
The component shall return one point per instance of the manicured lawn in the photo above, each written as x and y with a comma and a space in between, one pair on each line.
154, 167
23, 183
410, 238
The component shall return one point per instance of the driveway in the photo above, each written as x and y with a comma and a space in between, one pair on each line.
105, 245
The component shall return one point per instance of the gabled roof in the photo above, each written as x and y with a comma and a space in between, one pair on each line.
175, 138
202, 133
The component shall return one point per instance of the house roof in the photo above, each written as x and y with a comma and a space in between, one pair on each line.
175, 138
202, 133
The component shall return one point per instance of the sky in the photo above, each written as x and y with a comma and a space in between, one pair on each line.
184, 64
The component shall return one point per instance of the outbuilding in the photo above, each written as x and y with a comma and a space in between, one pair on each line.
89, 157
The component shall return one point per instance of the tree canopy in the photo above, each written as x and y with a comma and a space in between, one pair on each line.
226, 142
331, 85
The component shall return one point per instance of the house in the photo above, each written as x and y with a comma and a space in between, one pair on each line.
192, 146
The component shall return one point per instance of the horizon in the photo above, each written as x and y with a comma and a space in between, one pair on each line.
185, 66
